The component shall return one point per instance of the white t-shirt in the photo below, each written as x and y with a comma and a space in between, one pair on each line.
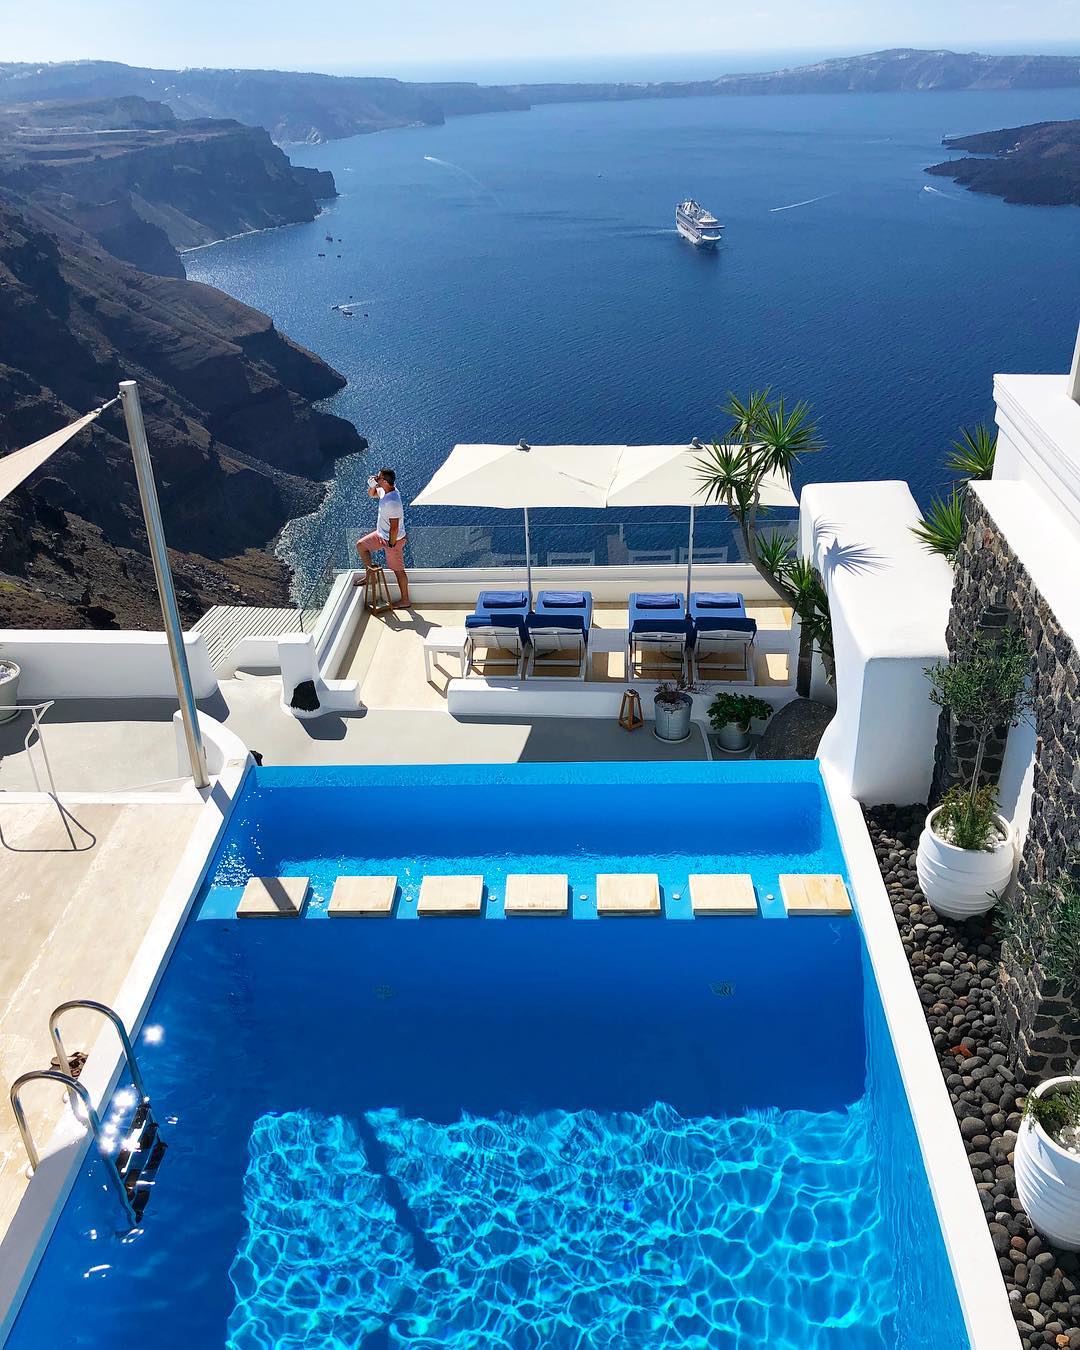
390, 508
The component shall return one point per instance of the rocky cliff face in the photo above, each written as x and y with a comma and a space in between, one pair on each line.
311, 107
1038, 165
292, 106
146, 184
237, 446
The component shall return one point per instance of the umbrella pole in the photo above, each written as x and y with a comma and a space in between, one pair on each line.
528, 558
690, 559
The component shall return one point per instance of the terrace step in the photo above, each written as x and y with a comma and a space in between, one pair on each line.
224, 627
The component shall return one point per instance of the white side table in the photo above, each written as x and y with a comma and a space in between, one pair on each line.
444, 642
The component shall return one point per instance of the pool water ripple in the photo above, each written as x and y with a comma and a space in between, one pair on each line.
565, 1229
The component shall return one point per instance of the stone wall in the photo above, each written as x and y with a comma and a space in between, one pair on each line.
993, 590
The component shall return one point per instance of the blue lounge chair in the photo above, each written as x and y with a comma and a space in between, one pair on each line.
658, 626
559, 630
721, 630
497, 627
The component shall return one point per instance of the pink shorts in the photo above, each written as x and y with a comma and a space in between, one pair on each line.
395, 553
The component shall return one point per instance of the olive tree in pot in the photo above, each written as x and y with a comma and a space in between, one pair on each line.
966, 850
1046, 1160
730, 716
9, 689
1044, 932
672, 706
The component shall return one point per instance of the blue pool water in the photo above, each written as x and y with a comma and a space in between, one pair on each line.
522, 1132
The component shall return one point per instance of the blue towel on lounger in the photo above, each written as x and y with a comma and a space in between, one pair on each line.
561, 599
659, 600
717, 600
502, 600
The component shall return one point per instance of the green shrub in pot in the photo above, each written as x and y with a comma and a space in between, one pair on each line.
730, 716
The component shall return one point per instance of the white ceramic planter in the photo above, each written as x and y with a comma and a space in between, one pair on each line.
959, 882
734, 736
673, 719
9, 689
1048, 1179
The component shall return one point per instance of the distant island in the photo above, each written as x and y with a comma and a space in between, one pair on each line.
1037, 165
297, 107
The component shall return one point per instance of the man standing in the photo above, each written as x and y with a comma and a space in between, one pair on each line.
389, 532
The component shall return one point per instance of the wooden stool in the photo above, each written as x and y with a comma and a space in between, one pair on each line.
376, 594
630, 714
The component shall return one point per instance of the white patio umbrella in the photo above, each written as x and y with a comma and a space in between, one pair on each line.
670, 475
518, 477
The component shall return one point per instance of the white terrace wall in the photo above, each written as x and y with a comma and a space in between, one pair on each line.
889, 600
75, 663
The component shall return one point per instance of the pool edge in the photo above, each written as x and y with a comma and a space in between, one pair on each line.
984, 1301
27, 1237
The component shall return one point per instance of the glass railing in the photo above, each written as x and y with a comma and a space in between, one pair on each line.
312, 595
605, 542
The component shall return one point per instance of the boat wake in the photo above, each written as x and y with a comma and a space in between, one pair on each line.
809, 202
949, 196
456, 168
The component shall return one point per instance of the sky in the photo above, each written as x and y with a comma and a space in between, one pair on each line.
413, 37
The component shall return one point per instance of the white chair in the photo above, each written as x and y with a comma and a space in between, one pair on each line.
561, 649
503, 644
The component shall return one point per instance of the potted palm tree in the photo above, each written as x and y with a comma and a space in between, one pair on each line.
730, 716
672, 706
9, 689
966, 850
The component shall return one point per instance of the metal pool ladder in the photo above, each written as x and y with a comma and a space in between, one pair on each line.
133, 1169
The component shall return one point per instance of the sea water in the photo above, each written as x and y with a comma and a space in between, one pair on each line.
519, 275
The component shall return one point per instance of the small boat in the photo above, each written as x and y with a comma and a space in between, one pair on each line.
698, 225
329, 238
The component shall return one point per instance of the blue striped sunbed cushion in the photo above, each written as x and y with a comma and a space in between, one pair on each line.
659, 600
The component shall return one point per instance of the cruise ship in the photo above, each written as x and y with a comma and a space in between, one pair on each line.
696, 224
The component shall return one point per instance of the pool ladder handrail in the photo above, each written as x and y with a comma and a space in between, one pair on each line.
133, 1167
92, 1005
76, 1088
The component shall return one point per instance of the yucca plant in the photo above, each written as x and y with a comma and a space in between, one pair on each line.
766, 437
941, 530
972, 456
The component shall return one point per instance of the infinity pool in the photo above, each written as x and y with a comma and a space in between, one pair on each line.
515, 1132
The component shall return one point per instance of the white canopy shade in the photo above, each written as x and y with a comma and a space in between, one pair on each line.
511, 476
670, 475
20, 464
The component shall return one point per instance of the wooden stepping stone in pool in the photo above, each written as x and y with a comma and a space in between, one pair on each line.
273, 898
537, 893
723, 893
627, 893
814, 893
366, 897
450, 895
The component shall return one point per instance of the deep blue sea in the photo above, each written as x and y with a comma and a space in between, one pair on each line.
518, 274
